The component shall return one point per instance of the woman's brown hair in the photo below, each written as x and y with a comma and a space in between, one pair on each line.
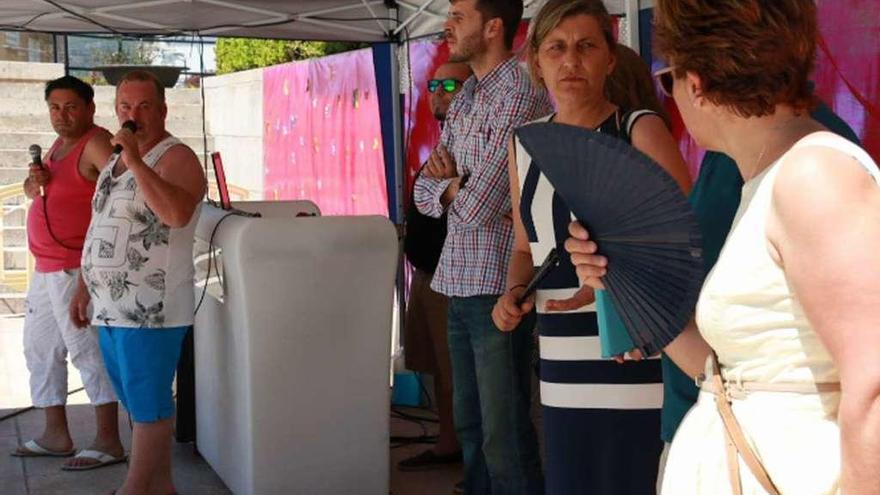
750, 55
631, 85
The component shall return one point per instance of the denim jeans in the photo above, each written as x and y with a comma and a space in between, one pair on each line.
492, 376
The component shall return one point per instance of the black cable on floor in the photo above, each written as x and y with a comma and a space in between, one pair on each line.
31, 408
413, 417
397, 441
425, 438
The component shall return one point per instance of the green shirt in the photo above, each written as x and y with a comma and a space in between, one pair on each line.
715, 199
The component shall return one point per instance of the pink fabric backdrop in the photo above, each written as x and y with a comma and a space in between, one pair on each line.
848, 66
847, 74
322, 138
847, 78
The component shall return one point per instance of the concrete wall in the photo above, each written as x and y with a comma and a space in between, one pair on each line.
234, 113
29, 71
24, 120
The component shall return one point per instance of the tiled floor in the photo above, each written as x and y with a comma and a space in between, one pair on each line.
42, 475
434, 482
193, 476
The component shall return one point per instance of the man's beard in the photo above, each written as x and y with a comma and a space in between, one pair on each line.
441, 117
468, 48
72, 131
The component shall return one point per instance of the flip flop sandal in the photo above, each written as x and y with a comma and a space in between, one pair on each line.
102, 458
33, 449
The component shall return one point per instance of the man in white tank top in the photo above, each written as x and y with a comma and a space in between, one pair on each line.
138, 273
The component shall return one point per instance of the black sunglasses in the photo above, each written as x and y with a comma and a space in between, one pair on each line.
666, 78
448, 85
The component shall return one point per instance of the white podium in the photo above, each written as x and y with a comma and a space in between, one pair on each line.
292, 366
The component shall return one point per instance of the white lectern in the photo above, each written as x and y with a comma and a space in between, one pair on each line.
292, 366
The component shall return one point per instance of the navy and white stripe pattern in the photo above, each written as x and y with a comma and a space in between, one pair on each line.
601, 419
573, 372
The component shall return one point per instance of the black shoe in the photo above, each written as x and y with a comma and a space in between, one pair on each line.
428, 460
459, 487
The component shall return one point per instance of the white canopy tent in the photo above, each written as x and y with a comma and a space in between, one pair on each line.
384, 23
344, 20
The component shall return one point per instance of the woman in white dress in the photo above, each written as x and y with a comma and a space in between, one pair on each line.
791, 307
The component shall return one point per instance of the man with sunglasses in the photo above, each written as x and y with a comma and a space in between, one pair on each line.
447, 82
425, 341
466, 177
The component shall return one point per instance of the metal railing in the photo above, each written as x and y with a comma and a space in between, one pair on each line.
12, 200
15, 280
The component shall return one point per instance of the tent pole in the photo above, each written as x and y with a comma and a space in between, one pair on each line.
66, 55
387, 67
388, 85
631, 8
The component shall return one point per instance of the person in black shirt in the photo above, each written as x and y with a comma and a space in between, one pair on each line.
425, 344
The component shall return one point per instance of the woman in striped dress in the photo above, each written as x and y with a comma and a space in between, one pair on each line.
601, 419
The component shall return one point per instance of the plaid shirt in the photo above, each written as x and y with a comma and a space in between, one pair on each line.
478, 127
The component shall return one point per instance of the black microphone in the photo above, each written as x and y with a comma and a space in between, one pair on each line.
131, 126
37, 159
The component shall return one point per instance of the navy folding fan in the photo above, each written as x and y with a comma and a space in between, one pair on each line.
638, 217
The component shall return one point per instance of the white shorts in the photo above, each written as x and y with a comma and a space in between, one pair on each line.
50, 336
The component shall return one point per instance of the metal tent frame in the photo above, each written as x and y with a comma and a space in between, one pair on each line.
385, 24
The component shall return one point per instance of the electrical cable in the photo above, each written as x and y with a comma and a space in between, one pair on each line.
430, 405
202, 93
414, 417
210, 259
354, 19
406, 417
293, 19
424, 438
31, 408
49, 227
32, 19
397, 442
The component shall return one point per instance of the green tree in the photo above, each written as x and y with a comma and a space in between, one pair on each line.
235, 54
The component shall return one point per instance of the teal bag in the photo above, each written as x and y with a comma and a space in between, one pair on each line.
613, 337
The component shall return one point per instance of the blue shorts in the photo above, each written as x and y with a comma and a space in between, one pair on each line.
141, 363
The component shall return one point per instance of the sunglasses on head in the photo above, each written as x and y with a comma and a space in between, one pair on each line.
666, 77
448, 85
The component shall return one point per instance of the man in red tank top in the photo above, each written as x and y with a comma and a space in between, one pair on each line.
61, 191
